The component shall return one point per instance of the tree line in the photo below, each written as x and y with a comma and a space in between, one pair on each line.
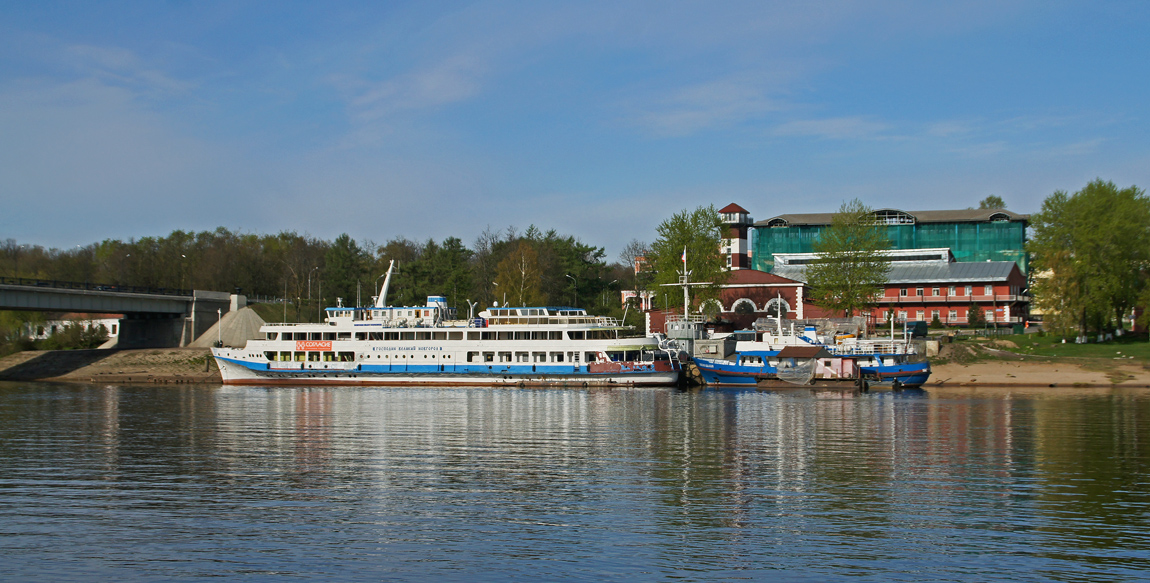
532, 267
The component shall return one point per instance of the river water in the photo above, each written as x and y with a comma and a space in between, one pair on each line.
203, 482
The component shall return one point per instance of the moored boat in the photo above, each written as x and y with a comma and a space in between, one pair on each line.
429, 345
775, 355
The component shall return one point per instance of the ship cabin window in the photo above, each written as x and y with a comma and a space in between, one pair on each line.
313, 356
538, 357
555, 335
423, 335
556, 357
300, 356
329, 335
347, 357
472, 356
575, 335
504, 357
328, 356
286, 336
590, 357
343, 336
407, 335
285, 357
522, 357
471, 335
487, 335
439, 336
506, 336
455, 335
272, 335
271, 355
488, 357
361, 335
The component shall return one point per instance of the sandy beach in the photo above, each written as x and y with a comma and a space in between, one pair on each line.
1029, 372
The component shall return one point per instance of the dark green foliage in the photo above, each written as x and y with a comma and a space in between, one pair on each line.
345, 271
76, 335
935, 323
296, 267
992, 202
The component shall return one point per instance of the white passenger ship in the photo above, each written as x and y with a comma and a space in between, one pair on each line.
426, 345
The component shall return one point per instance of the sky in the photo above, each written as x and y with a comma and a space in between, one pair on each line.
600, 120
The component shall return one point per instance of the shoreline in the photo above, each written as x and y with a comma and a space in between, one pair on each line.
195, 365
127, 366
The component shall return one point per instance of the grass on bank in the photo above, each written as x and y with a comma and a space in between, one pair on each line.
1128, 348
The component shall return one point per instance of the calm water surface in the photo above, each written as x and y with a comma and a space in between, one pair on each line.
160, 483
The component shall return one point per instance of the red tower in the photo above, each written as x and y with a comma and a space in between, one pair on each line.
735, 244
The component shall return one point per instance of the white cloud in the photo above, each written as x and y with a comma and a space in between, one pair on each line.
120, 66
452, 80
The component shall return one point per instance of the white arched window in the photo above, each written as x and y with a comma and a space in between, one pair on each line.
777, 307
744, 306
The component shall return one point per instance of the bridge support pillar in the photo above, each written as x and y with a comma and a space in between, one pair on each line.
150, 330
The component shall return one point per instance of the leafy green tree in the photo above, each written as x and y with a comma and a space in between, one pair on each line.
992, 202
851, 268
699, 233
345, 270
1090, 252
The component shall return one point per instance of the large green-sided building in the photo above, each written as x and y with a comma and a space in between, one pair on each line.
971, 235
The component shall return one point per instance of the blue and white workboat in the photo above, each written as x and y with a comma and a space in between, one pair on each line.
427, 345
781, 356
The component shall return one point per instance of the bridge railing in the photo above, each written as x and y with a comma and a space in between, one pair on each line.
105, 287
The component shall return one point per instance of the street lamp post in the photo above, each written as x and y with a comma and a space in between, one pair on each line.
313, 270
603, 297
575, 293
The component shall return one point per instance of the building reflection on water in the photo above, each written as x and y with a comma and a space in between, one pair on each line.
726, 466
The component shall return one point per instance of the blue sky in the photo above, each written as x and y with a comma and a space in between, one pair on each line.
600, 120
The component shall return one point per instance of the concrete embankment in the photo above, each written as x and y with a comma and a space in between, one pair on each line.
149, 365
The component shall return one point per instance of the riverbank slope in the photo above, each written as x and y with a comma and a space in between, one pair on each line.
147, 365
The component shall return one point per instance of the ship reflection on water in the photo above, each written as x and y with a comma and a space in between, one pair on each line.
572, 484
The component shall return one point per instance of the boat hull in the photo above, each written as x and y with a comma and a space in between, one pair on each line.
659, 373
721, 373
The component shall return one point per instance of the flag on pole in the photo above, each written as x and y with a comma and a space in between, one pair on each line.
684, 254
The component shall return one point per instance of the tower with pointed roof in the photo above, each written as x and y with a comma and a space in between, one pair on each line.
735, 245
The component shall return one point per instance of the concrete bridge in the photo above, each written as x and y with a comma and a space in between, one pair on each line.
152, 317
